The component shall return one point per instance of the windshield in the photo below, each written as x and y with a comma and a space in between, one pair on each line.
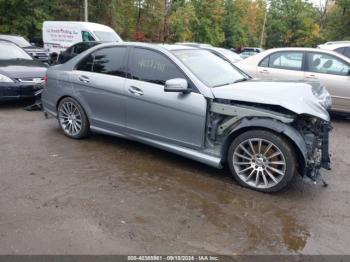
209, 68
18, 40
10, 51
104, 36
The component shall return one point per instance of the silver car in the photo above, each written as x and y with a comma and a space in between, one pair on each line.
191, 102
329, 68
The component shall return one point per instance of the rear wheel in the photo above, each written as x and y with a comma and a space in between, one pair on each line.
262, 160
72, 118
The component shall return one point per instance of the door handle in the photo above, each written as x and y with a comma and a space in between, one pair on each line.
135, 91
264, 71
311, 77
84, 79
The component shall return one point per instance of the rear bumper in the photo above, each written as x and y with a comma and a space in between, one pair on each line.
16, 91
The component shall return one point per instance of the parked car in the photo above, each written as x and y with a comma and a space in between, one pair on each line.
246, 54
36, 52
20, 75
75, 50
307, 64
224, 53
60, 35
191, 102
337, 42
221, 52
343, 49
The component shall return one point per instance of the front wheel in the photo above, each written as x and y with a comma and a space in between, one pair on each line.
262, 160
72, 118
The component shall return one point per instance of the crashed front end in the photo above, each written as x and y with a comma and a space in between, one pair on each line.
309, 134
297, 110
316, 136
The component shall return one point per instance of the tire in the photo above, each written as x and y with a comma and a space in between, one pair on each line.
72, 119
262, 160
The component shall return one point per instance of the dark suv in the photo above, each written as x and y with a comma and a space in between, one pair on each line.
36, 52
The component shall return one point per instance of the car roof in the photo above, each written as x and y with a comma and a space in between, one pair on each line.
7, 42
169, 47
334, 46
193, 44
302, 49
305, 49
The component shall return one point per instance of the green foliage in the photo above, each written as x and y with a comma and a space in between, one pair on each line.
338, 24
24, 17
180, 21
229, 23
207, 27
291, 23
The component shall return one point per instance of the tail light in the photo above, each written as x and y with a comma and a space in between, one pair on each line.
46, 79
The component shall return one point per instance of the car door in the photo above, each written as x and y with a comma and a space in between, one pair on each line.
99, 81
333, 73
151, 112
282, 65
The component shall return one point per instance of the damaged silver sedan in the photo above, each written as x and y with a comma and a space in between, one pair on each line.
190, 102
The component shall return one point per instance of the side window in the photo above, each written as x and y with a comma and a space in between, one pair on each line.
287, 60
265, 62
327, 64
110, 61
340, 50
347, 52
150, 66
87, 36
85, 64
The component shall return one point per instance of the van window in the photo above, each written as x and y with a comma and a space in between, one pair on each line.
107, 36
87, 37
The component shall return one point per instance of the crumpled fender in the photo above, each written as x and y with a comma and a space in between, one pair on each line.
276, 126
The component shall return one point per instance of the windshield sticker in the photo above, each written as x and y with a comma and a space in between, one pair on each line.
152, 64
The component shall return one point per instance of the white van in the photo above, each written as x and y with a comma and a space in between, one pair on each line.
59, 35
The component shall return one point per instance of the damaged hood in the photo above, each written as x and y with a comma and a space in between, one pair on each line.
297, 97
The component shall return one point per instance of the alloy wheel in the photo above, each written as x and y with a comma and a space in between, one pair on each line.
70, 118
259, 163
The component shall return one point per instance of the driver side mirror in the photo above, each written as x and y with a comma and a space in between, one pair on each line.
177, 85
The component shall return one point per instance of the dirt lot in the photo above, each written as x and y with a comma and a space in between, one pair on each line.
105, 195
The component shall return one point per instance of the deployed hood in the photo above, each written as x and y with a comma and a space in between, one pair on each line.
297, 97
16, 69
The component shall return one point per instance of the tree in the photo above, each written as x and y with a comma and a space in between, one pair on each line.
291, 23
182, 17
207, 28
338, 21
24, 17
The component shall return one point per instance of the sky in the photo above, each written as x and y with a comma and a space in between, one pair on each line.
317, 2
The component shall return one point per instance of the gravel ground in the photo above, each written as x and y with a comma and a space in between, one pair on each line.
106, 195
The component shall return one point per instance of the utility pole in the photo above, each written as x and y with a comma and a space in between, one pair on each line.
263, 29
86, 10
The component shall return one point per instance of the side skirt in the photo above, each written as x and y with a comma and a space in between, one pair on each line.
186, 152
